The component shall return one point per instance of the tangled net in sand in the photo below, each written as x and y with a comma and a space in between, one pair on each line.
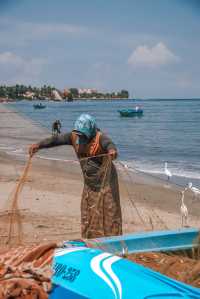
14, 212
25, 272
181, 268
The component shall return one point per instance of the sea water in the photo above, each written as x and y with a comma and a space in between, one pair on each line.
168, 131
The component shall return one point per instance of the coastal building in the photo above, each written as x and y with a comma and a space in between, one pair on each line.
66, 92
56, 95
29, 95
87, 91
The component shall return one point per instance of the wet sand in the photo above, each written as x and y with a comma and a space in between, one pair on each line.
50, 200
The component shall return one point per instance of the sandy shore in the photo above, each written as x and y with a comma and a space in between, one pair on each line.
50, 200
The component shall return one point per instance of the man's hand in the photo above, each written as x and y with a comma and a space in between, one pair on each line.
33, 149
113, 154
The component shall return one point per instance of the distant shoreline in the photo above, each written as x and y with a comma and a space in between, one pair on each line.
75, 99
172, 99
4, 100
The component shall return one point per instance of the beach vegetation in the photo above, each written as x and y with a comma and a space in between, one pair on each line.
20, 92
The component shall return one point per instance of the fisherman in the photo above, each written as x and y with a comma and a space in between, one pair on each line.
100, 204
56, 127
137, 108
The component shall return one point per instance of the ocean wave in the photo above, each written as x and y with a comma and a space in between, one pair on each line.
6, 148
156, 169
57, 159
18, 151
152, 169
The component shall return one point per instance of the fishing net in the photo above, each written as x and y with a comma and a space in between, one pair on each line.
135, 213
32, 264
179, 267
17, 218
18, 211
24, 224
14, 218
25, 272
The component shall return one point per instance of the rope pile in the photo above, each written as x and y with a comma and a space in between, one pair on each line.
180, 267
25, 272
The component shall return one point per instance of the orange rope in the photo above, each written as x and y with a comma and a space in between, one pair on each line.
15, 214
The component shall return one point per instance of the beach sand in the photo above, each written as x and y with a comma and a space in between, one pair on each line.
49, 203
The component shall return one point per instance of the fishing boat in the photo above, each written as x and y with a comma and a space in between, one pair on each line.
132, 266
131, 112
39, 106
81, 269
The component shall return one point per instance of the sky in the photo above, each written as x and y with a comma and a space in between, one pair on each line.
149, 47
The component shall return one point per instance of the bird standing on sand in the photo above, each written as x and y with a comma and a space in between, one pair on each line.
195, 190
184, 210
167, 172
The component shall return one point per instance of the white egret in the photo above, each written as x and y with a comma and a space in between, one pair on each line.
184, 210
124, 251
167, 172
195, 190
123, 165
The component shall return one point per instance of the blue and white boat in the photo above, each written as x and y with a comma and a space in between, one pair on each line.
84, 272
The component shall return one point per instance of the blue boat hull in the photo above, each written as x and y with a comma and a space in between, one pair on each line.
130, 112
166, 240
81, 272
60, 292
39, 106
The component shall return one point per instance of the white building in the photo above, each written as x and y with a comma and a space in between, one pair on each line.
87, 90
56, 95
29, 94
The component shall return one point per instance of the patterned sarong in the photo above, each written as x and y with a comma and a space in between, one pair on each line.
100, 213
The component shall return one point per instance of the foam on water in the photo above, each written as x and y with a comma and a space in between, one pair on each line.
179, 177
6, 148
160, 170
18, 151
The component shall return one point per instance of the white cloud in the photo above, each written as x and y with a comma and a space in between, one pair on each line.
10, 58
45, 29
19, 32
31, 31
159, 55
17, 69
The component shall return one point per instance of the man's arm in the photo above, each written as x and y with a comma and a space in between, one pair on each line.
51, 142
108, 145
55, 141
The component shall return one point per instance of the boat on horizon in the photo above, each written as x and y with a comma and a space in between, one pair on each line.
39, 106
137, 111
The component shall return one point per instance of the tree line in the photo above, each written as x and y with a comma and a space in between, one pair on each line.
46, 91
18, 91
